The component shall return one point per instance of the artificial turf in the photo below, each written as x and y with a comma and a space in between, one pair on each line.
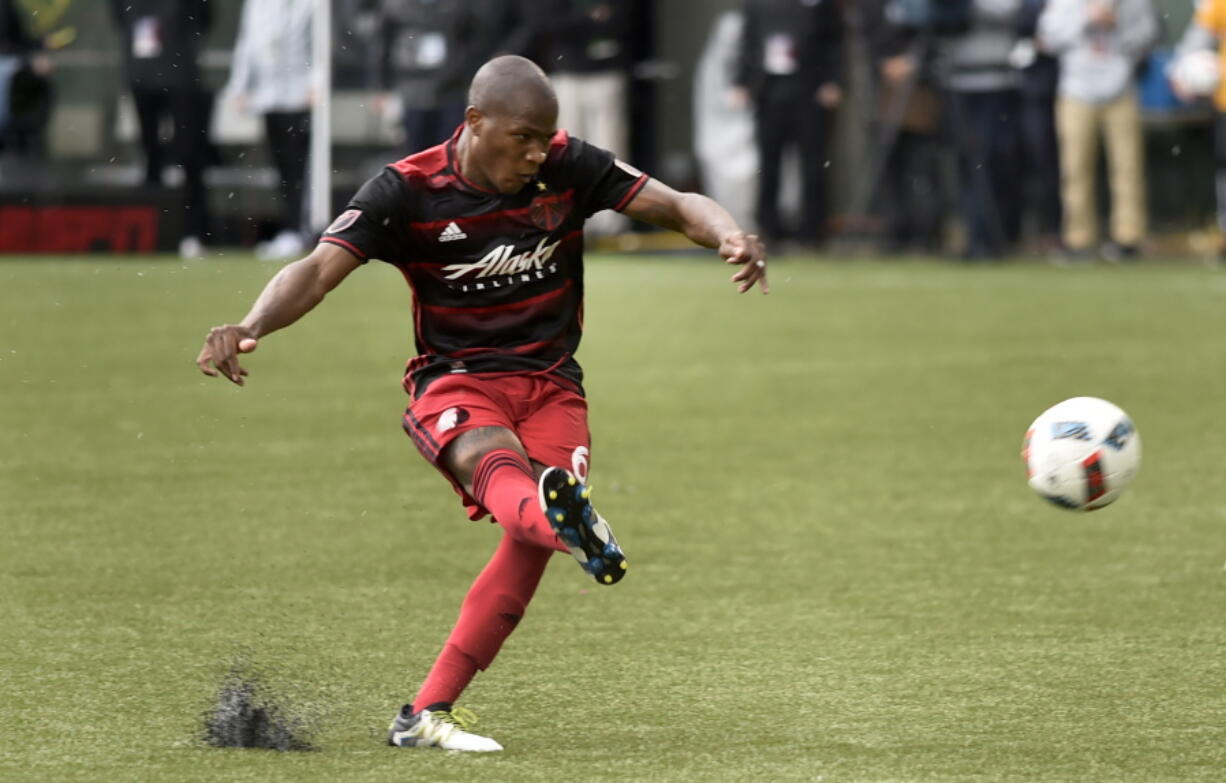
837, 571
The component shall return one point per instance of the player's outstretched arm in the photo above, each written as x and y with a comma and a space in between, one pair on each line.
289, 295
706, 223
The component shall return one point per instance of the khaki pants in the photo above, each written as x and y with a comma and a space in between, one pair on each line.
1079, 126
592, 106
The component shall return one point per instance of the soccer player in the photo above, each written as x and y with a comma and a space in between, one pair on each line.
488, 230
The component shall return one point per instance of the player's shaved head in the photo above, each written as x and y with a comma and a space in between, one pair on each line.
512, 85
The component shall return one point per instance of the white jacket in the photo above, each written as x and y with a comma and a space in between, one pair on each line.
272, 56
1097, 66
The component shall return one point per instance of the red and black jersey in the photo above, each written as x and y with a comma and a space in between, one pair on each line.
497, 279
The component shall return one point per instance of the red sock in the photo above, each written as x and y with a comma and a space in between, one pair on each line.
449, 676
504, 483
490, 612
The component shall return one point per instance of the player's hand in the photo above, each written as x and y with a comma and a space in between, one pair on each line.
747, 252
219, 356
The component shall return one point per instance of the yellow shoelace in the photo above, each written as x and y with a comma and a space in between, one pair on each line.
460, 717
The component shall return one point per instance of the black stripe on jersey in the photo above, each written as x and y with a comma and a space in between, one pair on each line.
421, 436
630, 194
347, 245
512, 215
501, 290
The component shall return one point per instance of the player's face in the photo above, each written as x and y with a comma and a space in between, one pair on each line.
511, 147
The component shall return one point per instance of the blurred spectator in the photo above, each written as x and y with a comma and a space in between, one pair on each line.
271, 76
429, 51
907, 142
161, 40
586, 52
1207, 31
791, 67
587, 56
1040, 73
723, 132
983, 112
1100, 43
25, 90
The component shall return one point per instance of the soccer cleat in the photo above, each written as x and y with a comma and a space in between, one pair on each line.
589, 538
446, 729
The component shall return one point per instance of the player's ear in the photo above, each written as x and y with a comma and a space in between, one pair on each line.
473, 118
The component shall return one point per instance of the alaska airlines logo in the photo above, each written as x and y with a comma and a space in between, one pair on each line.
503, 260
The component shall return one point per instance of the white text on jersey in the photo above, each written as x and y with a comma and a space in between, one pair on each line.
500, 261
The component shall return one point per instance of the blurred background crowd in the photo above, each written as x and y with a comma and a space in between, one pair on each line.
978, 129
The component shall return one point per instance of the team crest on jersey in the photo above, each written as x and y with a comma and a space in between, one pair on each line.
344, 221
548, 210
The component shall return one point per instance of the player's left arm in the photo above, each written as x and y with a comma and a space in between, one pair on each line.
705, 223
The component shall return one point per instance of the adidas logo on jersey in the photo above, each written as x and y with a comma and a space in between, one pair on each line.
452, 233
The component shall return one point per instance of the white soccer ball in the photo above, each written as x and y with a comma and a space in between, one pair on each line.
1082, 453
1197, 72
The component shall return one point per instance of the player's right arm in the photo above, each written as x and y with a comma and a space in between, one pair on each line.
289, 295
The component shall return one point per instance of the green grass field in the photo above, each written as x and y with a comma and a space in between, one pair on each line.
838, 572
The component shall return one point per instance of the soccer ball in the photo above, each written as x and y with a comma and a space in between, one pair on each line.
1081, 453
1197, 72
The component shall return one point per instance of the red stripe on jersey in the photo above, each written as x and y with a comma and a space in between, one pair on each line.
630, 194
455, 167
351, 248
519, 304
432, 162
515, 350
434, 225
440, 164
417, 333
558, 142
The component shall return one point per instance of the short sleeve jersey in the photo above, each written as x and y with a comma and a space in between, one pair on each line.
497, 279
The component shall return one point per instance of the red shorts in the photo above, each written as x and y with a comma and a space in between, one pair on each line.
550, 421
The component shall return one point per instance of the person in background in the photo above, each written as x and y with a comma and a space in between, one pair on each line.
791, 68
1207, 30
430, 49
586, 52
1099, 44
271, 76
908, 122
24, 69
161, 40
1040, 74
983, 108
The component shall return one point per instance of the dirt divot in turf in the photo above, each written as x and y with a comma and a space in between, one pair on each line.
247, 713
